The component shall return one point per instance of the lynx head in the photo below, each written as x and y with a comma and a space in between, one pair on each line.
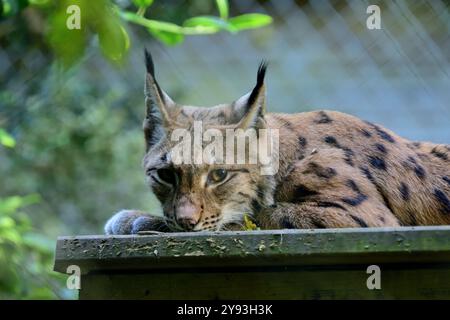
210, 192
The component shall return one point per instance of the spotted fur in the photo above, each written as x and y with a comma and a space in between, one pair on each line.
335, 171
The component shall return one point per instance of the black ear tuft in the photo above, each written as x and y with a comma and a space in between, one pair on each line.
259, 82
149, 63
261, 72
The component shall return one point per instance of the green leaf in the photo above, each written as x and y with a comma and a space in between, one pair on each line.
153, 24
167, 32
126, 37
6, 139
68, 45
223, 6
250, 21
160, 28
143, 3
168, 38
41, 3
9, 234
7, 223
114, 40
213, 23
6, 8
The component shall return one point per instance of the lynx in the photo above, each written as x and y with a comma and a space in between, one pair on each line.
334, 171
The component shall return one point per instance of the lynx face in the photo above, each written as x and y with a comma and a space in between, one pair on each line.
205, 195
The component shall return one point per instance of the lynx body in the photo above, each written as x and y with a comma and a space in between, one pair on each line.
335, 171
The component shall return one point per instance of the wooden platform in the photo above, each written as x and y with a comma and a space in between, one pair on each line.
276, 264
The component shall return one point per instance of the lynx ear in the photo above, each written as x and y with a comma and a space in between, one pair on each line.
158, 104
252, 106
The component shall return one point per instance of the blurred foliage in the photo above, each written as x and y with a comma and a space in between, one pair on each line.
6, 139
104, 19
69, 136
26, 256
78, 153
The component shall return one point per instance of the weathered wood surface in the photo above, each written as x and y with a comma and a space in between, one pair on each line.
277, 264
255, 248
311, 283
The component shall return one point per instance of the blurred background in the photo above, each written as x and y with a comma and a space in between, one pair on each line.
71, 101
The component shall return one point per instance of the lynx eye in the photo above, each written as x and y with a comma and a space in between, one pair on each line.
166, 175
217, 175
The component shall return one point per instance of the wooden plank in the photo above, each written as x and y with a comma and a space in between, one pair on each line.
396, 283
269, 248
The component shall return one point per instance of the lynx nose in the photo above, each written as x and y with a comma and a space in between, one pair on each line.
187, 215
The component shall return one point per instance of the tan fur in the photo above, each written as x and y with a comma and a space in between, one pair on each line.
335, 171
403, 191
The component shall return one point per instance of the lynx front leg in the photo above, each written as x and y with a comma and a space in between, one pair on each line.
132, 221
314, 216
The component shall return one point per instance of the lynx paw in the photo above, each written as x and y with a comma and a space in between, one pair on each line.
132, 221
